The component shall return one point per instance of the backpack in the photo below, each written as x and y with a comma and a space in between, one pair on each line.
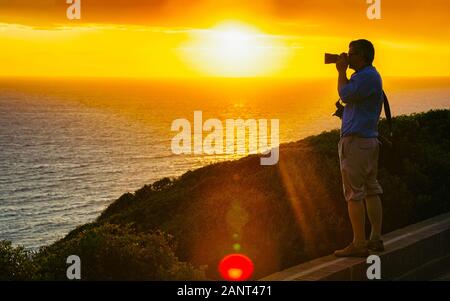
386, 143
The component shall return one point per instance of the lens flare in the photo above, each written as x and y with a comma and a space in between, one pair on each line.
237, 247
236, 267
235, 273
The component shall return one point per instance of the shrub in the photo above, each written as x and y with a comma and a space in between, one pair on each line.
15, 262
107, 252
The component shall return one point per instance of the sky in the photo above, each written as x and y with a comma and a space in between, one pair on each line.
223, 38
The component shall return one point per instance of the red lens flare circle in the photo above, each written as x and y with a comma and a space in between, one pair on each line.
236, 267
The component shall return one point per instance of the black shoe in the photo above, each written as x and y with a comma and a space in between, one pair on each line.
375, 245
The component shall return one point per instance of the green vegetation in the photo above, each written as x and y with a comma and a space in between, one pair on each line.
108, 252
279, 215
15, 263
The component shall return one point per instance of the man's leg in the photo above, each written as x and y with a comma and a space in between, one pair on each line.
351, 169
373, 202
357, 214
375, 213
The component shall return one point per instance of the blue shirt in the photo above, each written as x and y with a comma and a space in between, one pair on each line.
363, 97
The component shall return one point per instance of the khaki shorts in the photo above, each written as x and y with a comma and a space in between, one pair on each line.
358, 159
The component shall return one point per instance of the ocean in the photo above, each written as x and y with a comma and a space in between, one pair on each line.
69, 147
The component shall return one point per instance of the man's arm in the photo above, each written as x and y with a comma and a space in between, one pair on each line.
342, 80
341, 66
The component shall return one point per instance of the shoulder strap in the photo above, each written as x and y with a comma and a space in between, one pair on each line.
387, 111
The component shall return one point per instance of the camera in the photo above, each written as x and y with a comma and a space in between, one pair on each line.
331, 58
339, 109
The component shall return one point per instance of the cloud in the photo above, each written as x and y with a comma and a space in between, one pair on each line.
400, 18
44, 12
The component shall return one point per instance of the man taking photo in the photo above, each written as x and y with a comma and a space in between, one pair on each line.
359, 146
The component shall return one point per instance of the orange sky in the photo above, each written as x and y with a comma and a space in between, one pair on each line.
182, 38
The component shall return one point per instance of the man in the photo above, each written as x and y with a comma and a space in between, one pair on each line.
359, 146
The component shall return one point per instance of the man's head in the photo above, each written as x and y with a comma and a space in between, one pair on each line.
361, 53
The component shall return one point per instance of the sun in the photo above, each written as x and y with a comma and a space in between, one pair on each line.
233, 49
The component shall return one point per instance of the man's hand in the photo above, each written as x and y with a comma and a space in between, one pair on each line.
342, 63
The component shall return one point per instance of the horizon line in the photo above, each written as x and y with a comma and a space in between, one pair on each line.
165, 78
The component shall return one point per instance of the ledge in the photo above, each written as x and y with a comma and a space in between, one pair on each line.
416, 252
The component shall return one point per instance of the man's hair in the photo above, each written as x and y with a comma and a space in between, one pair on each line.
365, 49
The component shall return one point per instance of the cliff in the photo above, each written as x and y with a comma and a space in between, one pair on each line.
277, 215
